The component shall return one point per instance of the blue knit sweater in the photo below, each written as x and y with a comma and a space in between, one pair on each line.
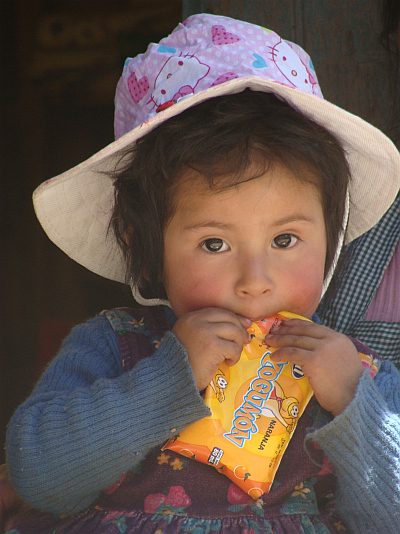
87, 422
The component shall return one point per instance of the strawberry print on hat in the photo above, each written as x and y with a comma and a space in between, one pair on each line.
138, 88
225, 77
220, 36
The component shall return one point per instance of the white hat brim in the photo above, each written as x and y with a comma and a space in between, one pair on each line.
75, 207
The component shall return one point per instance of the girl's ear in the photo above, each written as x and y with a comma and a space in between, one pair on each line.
128, 235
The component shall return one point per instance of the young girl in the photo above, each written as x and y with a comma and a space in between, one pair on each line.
223, 201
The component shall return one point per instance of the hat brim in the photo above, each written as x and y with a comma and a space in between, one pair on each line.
75, 207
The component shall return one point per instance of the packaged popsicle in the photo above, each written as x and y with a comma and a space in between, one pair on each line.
255, 406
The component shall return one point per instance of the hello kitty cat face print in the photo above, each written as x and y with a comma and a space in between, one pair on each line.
292, 68
179, 77
204, 51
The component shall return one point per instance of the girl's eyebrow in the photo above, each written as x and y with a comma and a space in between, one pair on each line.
297, 217
209, 224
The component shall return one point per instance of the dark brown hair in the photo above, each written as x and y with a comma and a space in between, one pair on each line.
219, 138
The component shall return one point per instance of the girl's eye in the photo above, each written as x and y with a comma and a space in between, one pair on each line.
215, 244
284, 241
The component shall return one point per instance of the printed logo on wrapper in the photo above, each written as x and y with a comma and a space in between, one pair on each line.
255, 406
254, 402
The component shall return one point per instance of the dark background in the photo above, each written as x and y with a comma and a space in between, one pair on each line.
60, 61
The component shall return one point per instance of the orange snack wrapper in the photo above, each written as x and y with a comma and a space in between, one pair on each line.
255, 406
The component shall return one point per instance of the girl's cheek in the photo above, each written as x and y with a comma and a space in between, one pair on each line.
197, 294
306, 289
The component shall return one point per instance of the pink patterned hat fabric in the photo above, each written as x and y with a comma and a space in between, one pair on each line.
205, 57
204, 51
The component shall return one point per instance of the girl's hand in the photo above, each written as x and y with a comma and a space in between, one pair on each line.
10, 503
211, 336
329, 360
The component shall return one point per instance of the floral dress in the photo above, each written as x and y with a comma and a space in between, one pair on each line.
168, 493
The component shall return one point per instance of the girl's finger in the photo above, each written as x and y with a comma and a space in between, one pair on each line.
291, 354
220, 315
298, 327
235, 333
292, 340
244, 321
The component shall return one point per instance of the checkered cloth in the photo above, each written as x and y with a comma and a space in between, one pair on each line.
366, 261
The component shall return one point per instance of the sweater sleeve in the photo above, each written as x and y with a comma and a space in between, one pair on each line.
87, 422
363, 444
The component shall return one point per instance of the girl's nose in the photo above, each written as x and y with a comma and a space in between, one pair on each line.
254, 277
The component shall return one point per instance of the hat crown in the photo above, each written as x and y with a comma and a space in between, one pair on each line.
206, 50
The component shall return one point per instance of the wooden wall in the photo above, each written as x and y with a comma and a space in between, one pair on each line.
59, 66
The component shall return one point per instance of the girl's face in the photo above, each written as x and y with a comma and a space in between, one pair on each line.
255, 249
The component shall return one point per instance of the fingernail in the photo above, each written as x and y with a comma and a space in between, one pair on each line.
274, 329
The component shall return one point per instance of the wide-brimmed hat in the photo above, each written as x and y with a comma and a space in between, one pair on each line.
205, 57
